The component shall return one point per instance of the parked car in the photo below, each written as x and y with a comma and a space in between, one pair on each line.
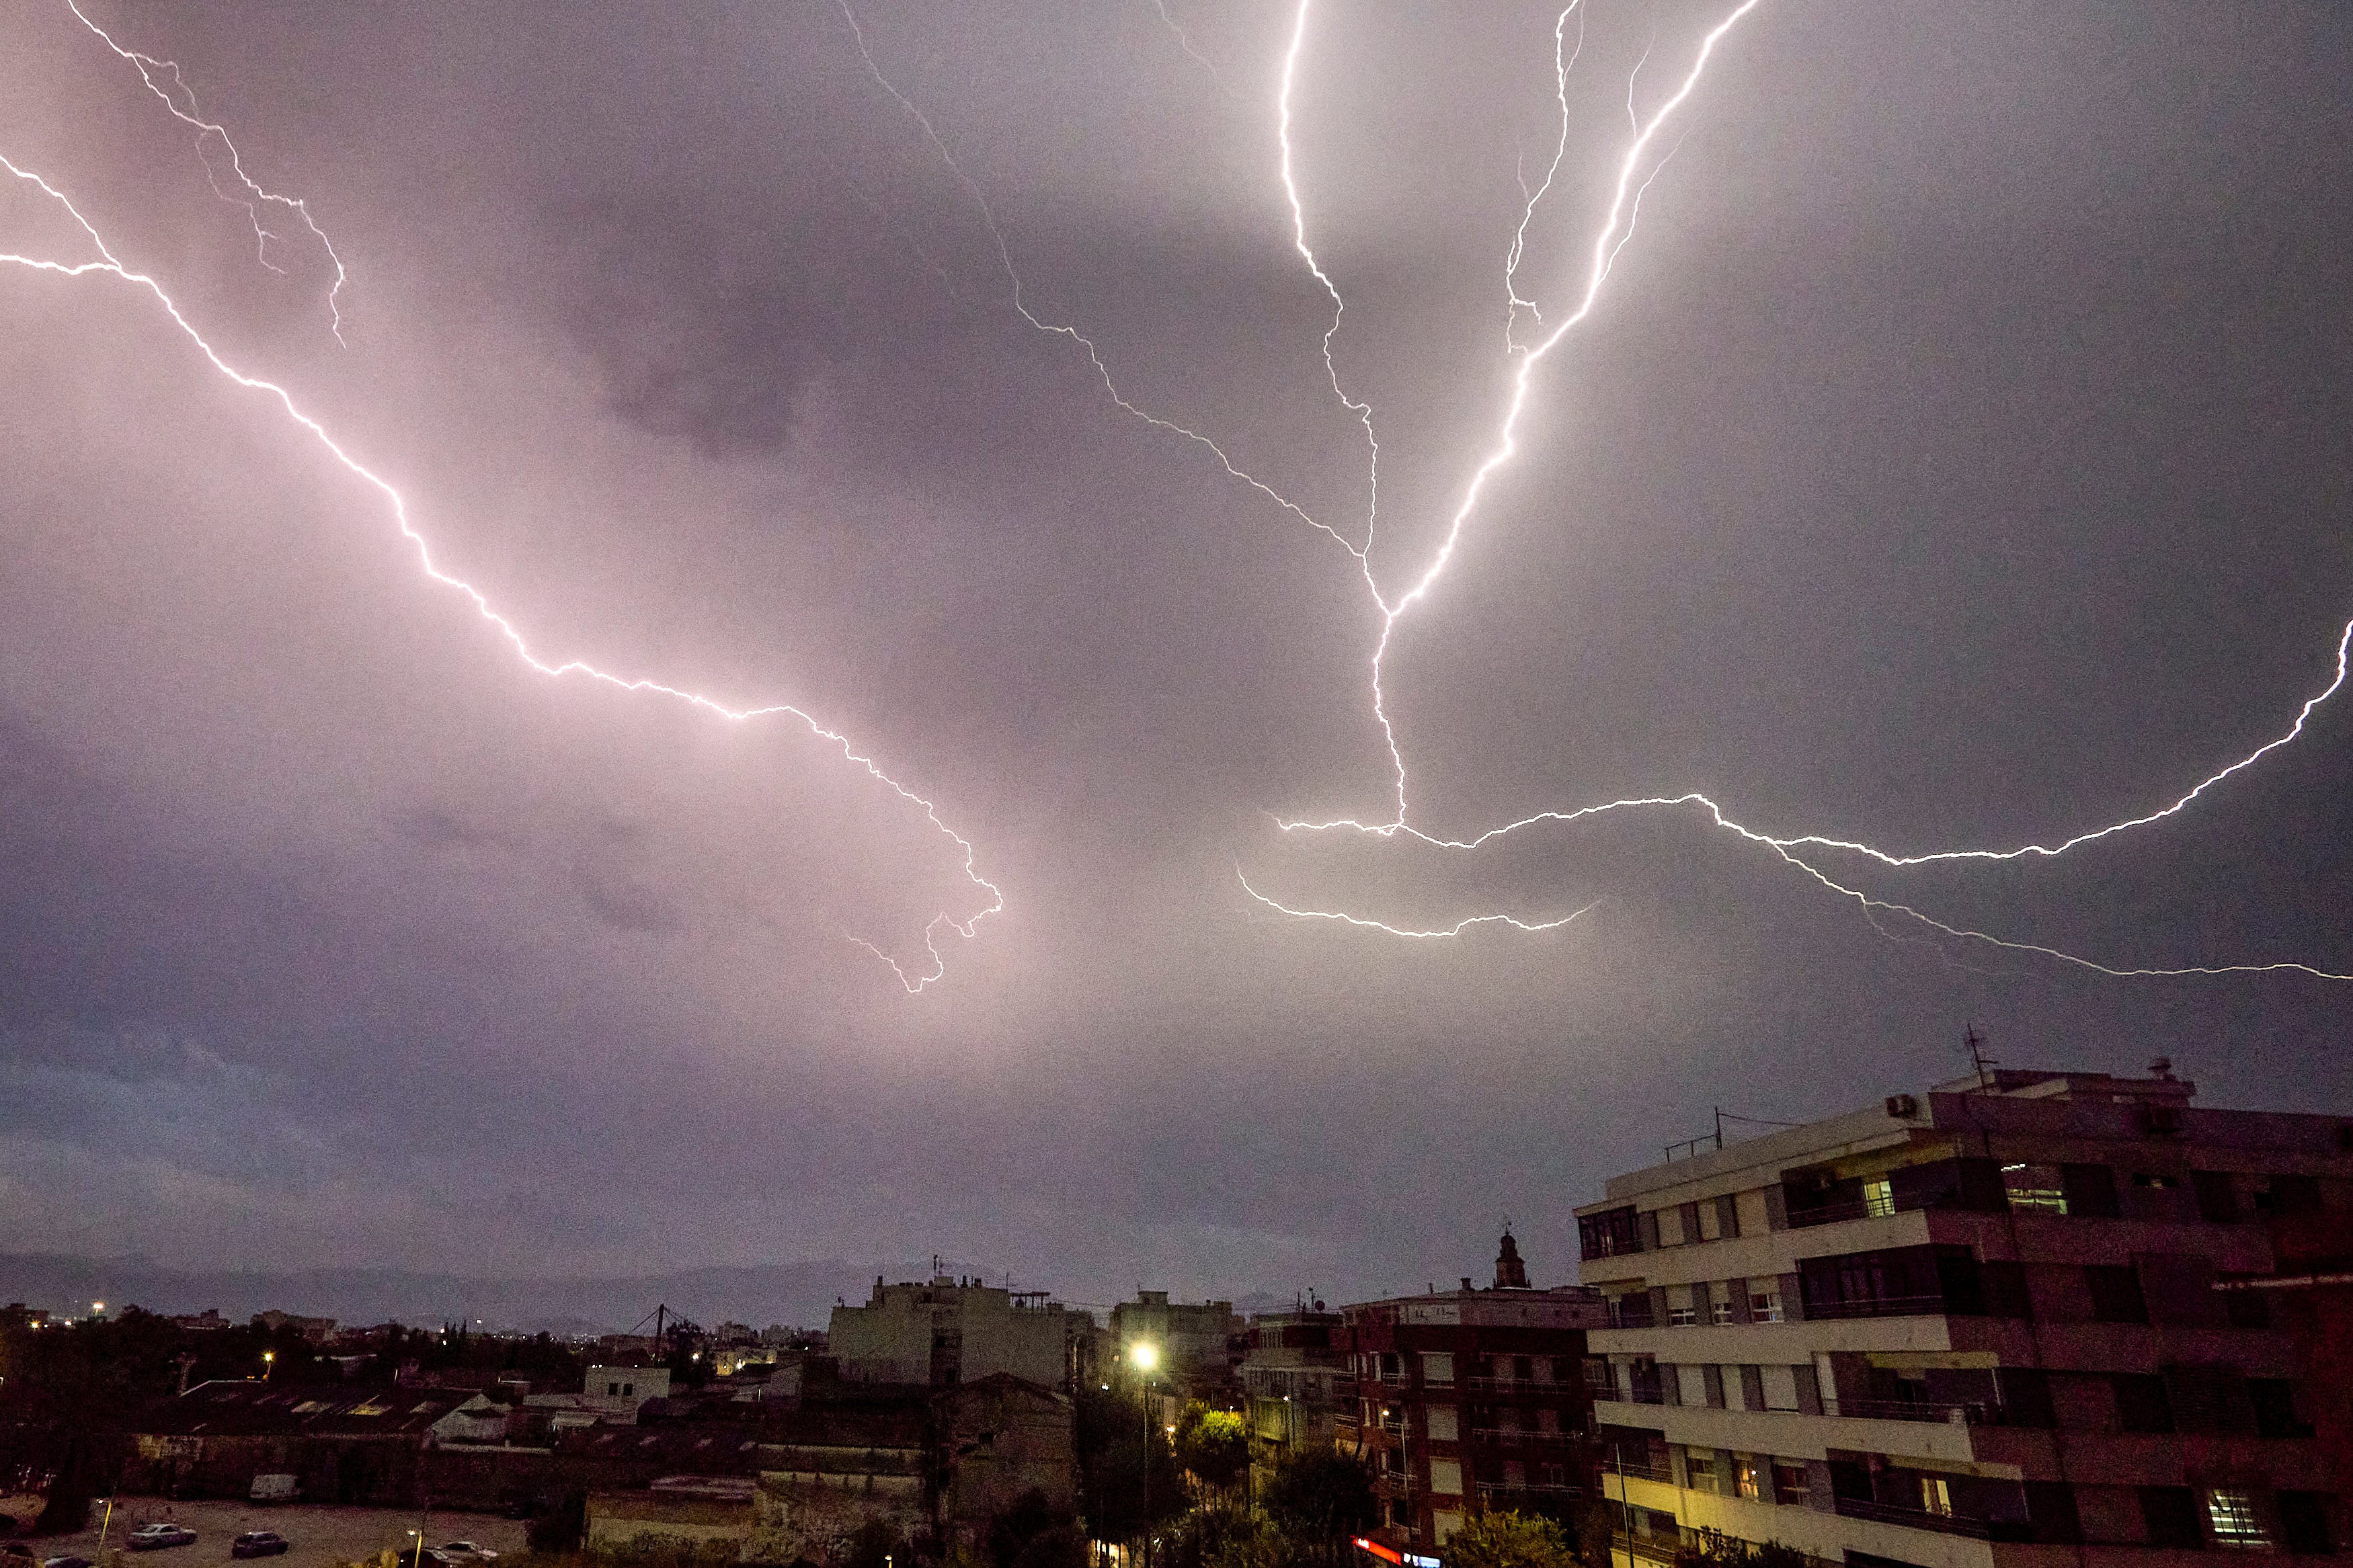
65, 1562
258, 1543
466, 1551
153, 1537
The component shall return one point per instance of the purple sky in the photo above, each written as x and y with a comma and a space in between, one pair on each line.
1955, 457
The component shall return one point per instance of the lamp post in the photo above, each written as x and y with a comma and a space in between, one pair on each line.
1146, 1357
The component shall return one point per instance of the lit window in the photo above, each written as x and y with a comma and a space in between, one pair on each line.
1747, 1478
1765, 1305
2034, 1187
1935, 1497
2232, 1511
1878, 1197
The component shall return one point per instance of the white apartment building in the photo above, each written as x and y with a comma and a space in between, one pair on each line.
1977, 1328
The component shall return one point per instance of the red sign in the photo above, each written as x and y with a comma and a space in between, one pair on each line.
1386, 1554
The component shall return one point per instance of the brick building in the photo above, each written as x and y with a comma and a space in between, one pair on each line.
1986, 1327
1472, 1397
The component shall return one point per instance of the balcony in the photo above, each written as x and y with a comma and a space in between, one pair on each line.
1528, 1488
1516, 1384
1509, 1436
1637, 1472
1915, 1518
1879, 1307
1975, 1413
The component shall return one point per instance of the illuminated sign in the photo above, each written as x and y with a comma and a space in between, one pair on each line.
1386, 1554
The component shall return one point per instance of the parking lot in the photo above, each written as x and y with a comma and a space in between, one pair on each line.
318, 1535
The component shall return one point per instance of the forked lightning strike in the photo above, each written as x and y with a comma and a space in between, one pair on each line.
1616, 232
255, 198
1455, 929
109, 265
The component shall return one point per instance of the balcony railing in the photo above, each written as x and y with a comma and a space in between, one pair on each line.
1914, 1518
1637, 1472
1967, 1413
1532, 1488
1526, 1385
1643, 1546
1880, 1306
1508, 1435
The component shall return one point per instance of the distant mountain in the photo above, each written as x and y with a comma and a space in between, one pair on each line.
790, 1293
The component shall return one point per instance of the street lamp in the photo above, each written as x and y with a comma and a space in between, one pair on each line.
268, 1360
1146, 1357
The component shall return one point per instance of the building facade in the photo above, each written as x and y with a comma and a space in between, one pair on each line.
1197, 1345
1980, 1326
951, 1331
1294, 1374
1472, 1399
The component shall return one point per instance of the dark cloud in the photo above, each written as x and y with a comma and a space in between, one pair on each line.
1952, 458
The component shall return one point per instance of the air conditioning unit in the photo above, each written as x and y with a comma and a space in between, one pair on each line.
1903, 1106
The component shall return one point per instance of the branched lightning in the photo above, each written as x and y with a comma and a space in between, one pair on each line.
109, 266
1182, 42
1561, 67
255, 198
1455, 929
1056, 329
1617, 230
1363, 411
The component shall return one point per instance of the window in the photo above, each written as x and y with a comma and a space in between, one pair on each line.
2169, 1515
2116, 1295
1748, 1478
1437, 1366
2218, 1196
1598, 1382
1438, 1424
2231, 1512
1878, 1197
2155, 1180
1720, 1306
2274, 1408
2036, 1187
2091, 1190
1780, 1384
1446, 1477
2141, 1404
1765, 1305
1699, 1464
1935, 1496
1609, 1233
1540, 1369
1683, 1311
2303, 1523
1691, 1385
1792, 1483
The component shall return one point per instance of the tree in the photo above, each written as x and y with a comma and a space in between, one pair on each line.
1112, 1452
1213, 1445
1319, 1498
1508, 1539
1714, 1549
1024, 1519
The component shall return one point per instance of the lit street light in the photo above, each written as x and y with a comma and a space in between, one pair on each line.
1146, 1357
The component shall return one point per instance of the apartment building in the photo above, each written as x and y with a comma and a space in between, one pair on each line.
1195, 1347
1472, 1397
1978, 1327
1294, 1375
951, 1330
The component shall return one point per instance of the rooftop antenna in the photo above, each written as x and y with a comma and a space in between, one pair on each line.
1978, 1058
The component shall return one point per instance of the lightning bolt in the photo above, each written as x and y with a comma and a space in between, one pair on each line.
1455, 929
1560, 69
1182, 42
255, 198
109, 266
1363, 411
1616, 231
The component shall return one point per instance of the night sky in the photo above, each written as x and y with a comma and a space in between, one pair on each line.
1955, 457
